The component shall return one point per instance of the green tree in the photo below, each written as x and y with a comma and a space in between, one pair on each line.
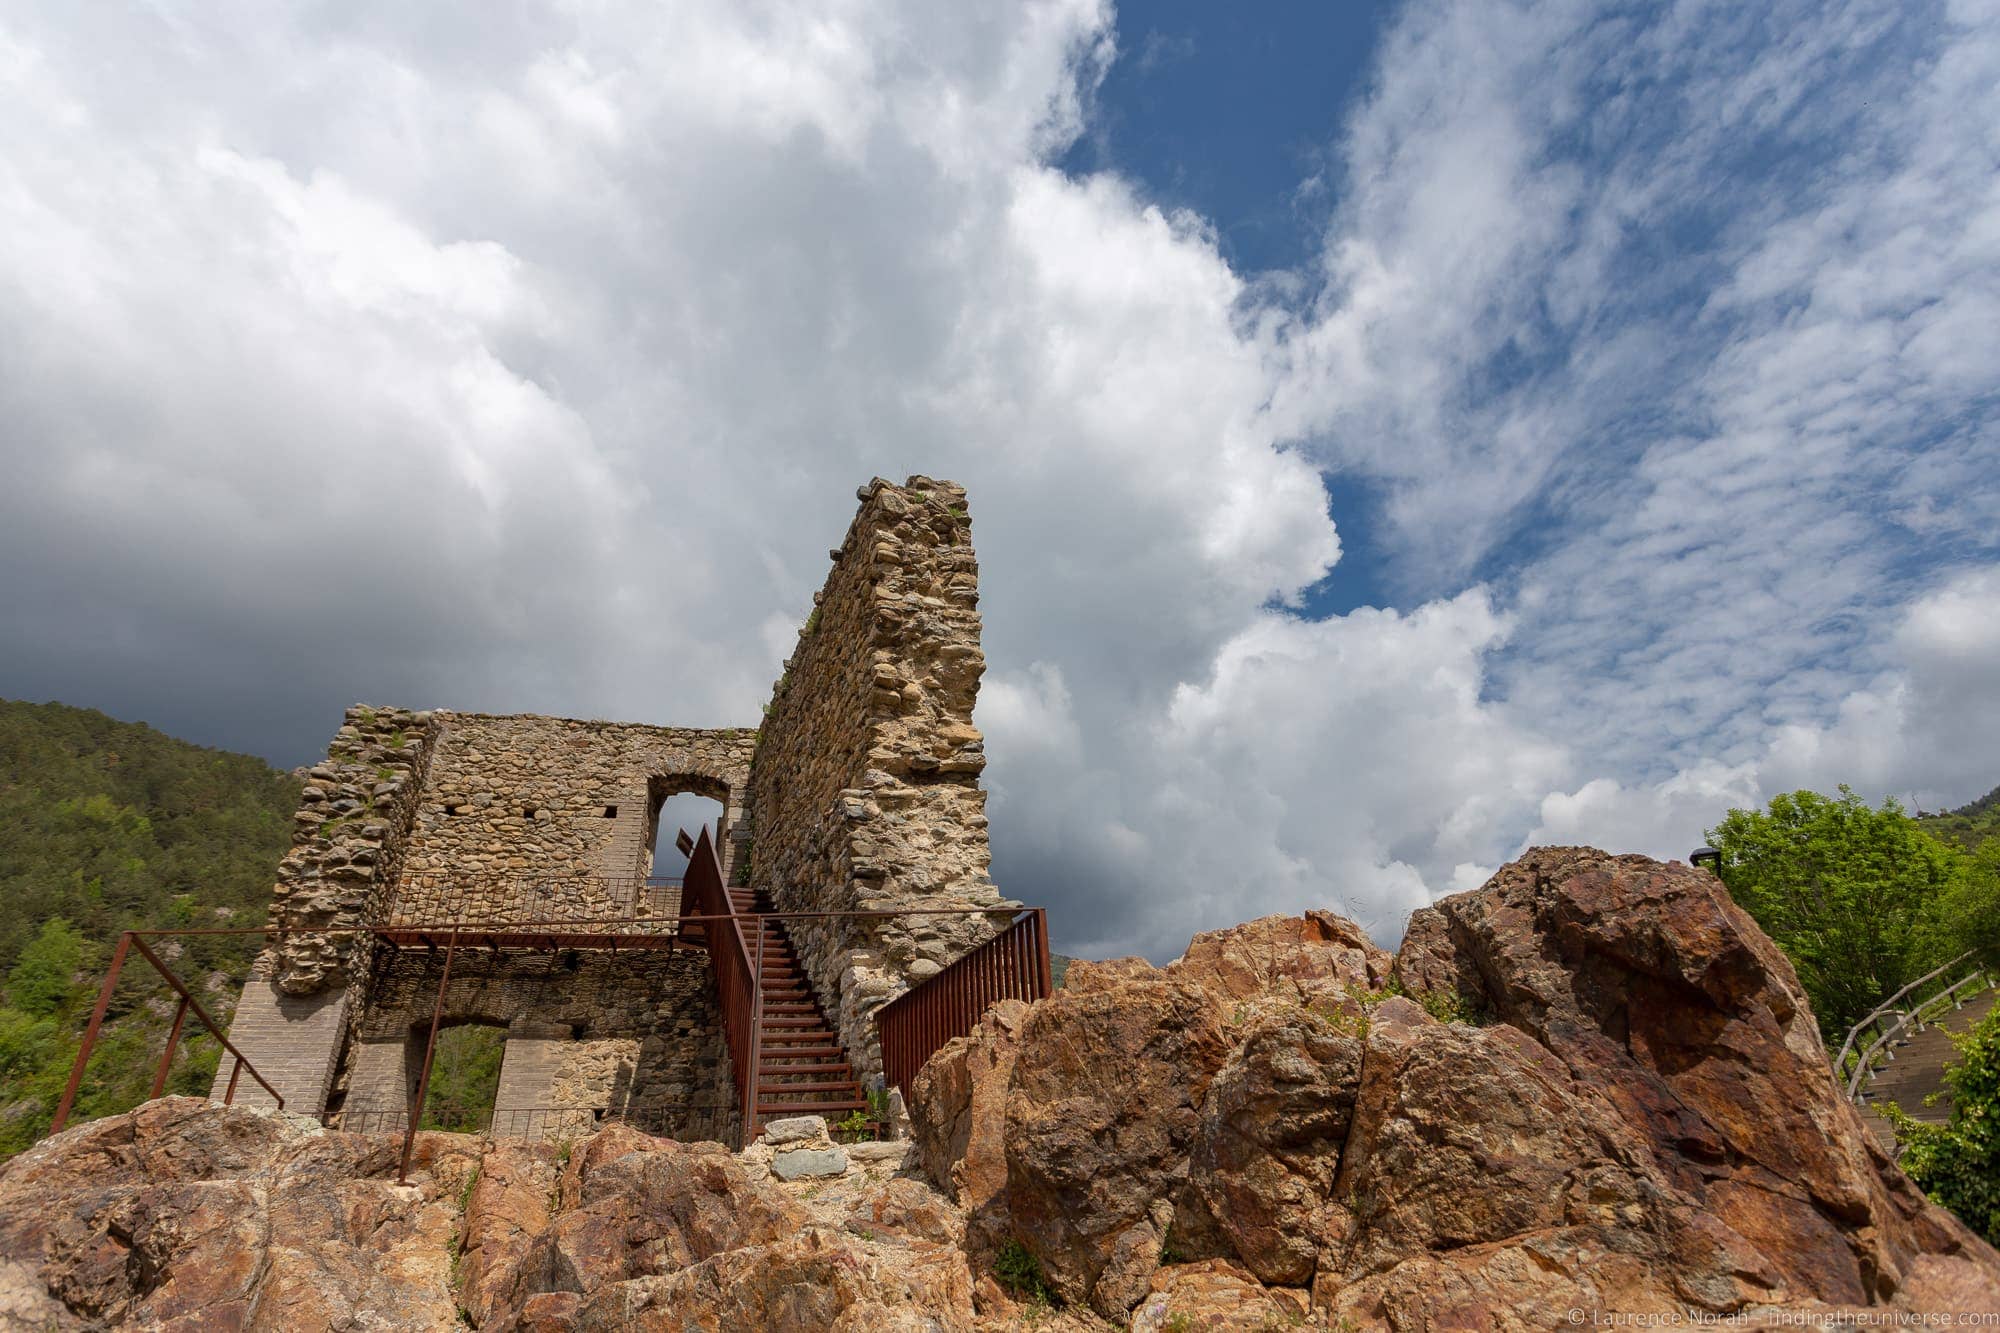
465, 1076
1851, 894
1958, 1163
45, 973
1966, 918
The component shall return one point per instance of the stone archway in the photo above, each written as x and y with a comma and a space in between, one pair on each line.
722, 814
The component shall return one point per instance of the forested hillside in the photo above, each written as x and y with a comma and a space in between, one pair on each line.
105, 826
1970, 825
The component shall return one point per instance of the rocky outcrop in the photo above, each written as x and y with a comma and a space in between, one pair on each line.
1589, 1091
184, 1216
1592, 1084
189, 1216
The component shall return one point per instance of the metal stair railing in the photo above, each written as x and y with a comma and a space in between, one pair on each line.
738, 970
1011, 965
1872, 1042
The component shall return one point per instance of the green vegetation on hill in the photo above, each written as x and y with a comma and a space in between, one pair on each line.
1970, 826
107, 826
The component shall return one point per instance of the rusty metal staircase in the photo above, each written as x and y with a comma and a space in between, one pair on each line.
802, 1068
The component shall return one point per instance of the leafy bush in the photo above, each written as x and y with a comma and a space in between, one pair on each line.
45, 973
1020, 1273
1958, 1163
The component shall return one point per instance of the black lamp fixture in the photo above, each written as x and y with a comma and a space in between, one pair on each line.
1706, 858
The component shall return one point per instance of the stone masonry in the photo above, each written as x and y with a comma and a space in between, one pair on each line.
865, 792
860, 791
634, 1034
553, 817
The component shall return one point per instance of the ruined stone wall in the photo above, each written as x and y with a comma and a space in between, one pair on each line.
865, 788
636, 1033
438, 817
348, 842
546, 818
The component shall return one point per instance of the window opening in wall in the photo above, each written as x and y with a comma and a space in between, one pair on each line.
465, 1075
683, 810
611, 812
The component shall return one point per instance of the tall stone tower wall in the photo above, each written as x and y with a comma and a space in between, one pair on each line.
865, 786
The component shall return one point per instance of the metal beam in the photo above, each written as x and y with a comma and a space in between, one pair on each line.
90, 1034
424, 1079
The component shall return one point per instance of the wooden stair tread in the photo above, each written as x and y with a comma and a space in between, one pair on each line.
767, 1109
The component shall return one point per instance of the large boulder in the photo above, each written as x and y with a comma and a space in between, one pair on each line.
1260, 1181
182, 1215
508, 1207
1214, 1294
1291, 959
629, 1205
1481, 1179
815, 1279
1106, 1085
1662, 997
1591, 1084
958, 1107
1103, 1110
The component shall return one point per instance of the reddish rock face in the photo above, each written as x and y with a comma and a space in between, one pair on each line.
1260, 1180
1655, 990
1214, 1294
1102, 1112
180, 1215
962, 1091
1638, 1117
815, 1280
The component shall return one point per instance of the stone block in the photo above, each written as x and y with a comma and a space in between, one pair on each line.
809, 1163
795, 1129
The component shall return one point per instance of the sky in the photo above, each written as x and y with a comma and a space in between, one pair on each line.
1396, 434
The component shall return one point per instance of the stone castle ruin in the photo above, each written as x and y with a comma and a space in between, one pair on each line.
450, 868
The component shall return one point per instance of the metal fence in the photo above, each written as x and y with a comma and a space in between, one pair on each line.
1872, 1042
1013, 965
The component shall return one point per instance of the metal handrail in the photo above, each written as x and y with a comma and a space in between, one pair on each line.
130, 940
1013, 964
1888, 1021
738, 971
